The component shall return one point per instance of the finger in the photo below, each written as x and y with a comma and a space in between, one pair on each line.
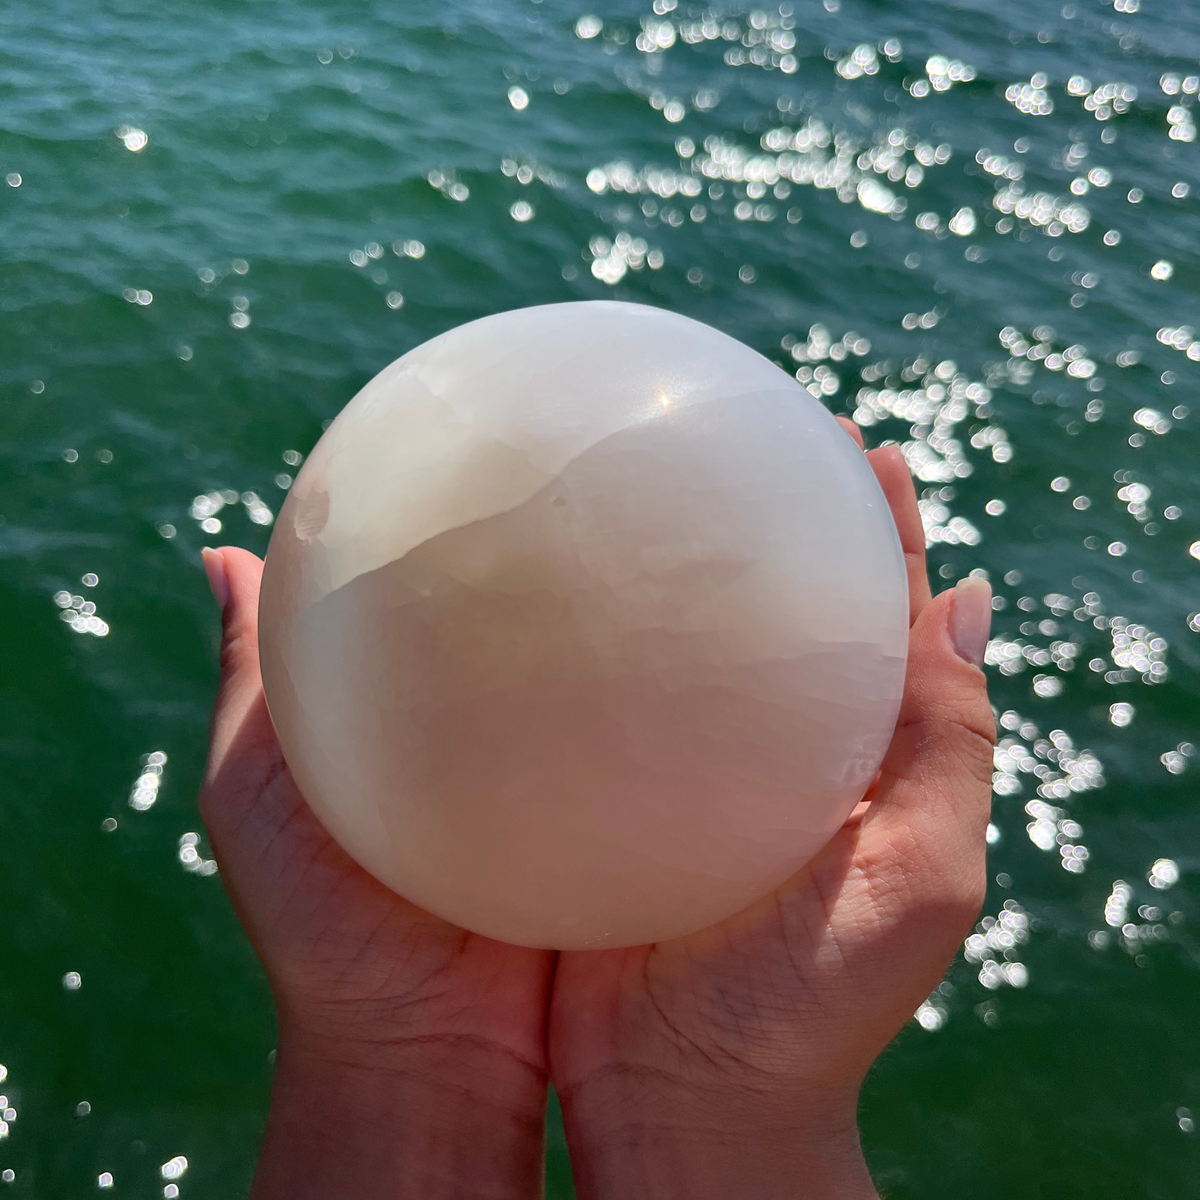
896, 480
234, 576
935, 783
852, 429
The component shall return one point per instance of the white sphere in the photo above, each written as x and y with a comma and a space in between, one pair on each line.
584, 625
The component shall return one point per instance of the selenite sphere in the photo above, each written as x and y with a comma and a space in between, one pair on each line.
584, 626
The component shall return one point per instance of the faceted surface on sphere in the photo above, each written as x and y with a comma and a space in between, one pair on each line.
584, 625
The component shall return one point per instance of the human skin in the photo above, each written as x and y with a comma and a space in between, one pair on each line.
414, 1057
729, 1063
412, 1054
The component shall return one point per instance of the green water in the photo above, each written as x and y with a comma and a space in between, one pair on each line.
739, 173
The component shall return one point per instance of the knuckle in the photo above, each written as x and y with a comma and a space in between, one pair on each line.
231, 651
974, 746
961, 744
238, 647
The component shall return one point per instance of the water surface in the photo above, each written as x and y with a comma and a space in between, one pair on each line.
973, 226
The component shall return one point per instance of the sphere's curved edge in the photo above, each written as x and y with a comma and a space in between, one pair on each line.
288, 561
504, 472
652, 934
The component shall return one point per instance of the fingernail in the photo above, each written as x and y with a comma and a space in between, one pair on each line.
971, 619
218, 577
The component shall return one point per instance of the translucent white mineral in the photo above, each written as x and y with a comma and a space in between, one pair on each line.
584, 625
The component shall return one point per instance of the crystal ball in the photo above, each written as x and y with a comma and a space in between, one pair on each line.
584, 625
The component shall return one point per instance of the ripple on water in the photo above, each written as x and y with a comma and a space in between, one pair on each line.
974, 238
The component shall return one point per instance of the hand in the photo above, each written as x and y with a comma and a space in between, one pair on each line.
411, 1054
729, 1063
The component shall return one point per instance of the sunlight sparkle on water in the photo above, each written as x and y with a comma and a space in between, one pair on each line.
981, 250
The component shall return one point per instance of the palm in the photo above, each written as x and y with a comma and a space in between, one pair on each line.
795, 970
342, 950
804, 989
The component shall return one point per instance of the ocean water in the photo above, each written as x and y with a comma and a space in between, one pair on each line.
972, 225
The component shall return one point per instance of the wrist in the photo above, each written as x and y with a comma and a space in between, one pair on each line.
768, 1148
429, 1116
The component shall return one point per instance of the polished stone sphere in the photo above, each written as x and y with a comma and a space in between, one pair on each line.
584, 626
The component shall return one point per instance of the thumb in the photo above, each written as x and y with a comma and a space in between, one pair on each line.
936, 777
239, 715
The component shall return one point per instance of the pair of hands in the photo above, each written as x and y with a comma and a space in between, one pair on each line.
414, 1057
